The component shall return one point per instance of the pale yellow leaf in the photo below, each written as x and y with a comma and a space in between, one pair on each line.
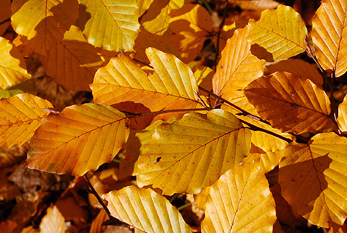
290, 103
255, 4
240, 201
193, 152
313, 179
12, 66
112, 25
20, 116
342, 117
79, 139
146, 210
42, 24
53, 221
282, 32
329, 35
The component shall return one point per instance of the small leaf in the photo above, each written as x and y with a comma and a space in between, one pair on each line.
193, 152
146, 210
240, 201
329, 36
281, 32
113, 25
79, 139
290, 103
20, 116
53, 221
342, 117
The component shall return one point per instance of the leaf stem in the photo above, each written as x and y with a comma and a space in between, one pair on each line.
310, 54
184, 206
208, 7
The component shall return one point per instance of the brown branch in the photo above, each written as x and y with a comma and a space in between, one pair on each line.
6, 20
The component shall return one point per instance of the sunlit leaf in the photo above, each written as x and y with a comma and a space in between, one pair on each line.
329, 35
342, 117
79, 139
203, 76
12, 67
191, 25
281, 32
193, 152
290, 103
42, 24
53, 221
143, 5
5, 14
313, 179
255, 4
20, 116
73, 62
112, 25
146, 210
240, 201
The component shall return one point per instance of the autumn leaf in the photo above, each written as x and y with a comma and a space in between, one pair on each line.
255, 5
329, 36
193, 152
342, 117
240, 201
145, 210
53, 221
5, 13
79, 139
282, 32
290, 103
312, 178
120, 18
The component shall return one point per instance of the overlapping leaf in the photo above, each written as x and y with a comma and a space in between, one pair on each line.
73, 62
12, 67
281, 32
112, 25
146, 210
79, 139
290, 103
53, 221
313, 179
240, 201
329, 35
187, 155
43, 23
20, 116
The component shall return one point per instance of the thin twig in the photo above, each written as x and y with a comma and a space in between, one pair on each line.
6, 20
310, 54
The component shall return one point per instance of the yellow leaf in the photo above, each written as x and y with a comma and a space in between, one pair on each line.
299, 67
290, 103
282, 32
5, 14
268, 160
342, 117
237, 68
42, 24
255, 4
143, 5
145, 209
240, 201
191, 25
193, 152
203, 76
329, 35
313, 179
53, 221
12, 67
20, 116
73, 62
79, 139
112, 25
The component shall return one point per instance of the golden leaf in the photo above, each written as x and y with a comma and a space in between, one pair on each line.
193, 152
79, 139
329, 35
145, 210
313, 178
53, 221
290, 103
282, 32
143, 5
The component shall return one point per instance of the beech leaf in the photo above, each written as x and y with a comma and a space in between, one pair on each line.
187, 155
145, 210
342, 117
79, 139
53, 221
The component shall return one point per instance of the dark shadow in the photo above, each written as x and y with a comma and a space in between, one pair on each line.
154, 10
261, 53
83, 17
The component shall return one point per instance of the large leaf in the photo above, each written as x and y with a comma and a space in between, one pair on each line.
193, 152
79, 139
240, 201
237, 68
290, 103
20, 116
329, 35
73, 62
313, 179
12, 66
281, 32
43, 23
112, 25
146, 210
